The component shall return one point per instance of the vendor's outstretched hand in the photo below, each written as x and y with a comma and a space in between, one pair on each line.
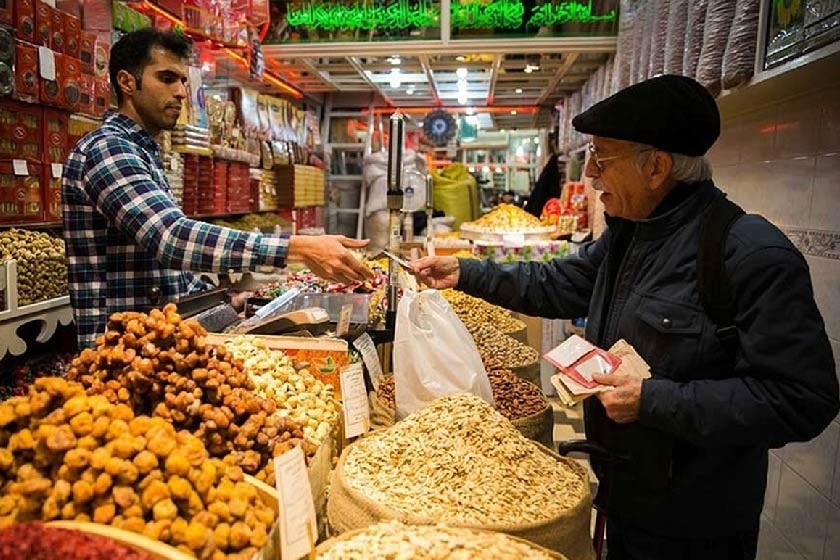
329, 257
437, 272
623, 401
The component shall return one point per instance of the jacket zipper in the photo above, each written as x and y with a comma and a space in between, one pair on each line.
612, 309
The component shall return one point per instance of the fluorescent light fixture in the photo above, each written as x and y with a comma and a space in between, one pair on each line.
498, 169
462, 86
485, 169
395, 78
461, 72
460, 58
528, 69
513, 112
462, 98
519, 90
410, 91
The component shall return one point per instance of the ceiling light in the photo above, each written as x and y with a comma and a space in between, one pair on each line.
536, 139
526, 141
462, 98
395, 78
461, 72
503, 130
520, 151
471, 110
513, 112
460, 58
485, 169
497, 170
528, 69
519, 90
471, 169
410, 91
395, 60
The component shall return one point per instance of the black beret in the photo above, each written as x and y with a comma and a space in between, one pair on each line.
672, 113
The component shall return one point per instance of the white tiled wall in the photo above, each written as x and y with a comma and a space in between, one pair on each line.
781, 158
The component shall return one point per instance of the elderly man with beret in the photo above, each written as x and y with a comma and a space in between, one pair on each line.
693, 438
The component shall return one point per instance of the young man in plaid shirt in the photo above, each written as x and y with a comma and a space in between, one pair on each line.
128, 243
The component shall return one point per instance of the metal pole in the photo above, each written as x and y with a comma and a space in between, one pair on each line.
395, 204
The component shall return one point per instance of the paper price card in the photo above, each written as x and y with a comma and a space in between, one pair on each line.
344, 320
298, 525
354, 395
364, 344
20, 168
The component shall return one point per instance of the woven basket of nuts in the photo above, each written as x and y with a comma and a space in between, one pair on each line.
430, 542
460, 462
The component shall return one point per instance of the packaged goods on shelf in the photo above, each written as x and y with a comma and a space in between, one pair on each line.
173, 169
266, 196
300, 185
21, 199
265, 222
20, 131
213, 398
436, 542
299, 395
460, 462
26, 72
73, 456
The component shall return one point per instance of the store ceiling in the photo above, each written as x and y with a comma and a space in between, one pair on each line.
506, 81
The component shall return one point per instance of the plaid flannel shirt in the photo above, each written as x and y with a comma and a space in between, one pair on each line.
125, 234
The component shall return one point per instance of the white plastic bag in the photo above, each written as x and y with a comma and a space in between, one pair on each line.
434, 354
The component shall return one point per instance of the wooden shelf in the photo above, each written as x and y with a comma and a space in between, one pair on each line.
33, 225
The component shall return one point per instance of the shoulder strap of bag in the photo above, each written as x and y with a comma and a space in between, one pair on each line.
716, 292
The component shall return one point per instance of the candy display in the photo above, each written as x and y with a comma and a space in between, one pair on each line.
503, 219
299, 395
69, 455
36, 540
160, 365
41, 266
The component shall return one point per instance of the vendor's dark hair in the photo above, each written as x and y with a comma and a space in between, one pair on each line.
133, 52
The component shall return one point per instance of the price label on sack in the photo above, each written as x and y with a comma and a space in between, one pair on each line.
364, 344
298, 525
57, 170
354, 397
344, 320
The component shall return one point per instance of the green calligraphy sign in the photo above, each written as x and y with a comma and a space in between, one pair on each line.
407, 14
331, 16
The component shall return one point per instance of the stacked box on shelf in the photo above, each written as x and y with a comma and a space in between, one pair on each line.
255, 179
173, 169
20, 192
238, 187
212, 186
300, 185
190, 184
266, 195
55, 144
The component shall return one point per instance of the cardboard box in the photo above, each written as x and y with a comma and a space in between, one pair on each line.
59, 39
87, 50
25, 20
26, 72
51, 93
87, 91
43, 24
20, 195
73, 34
50, 194
69, 78
101, 97
7, 16
20, 131
55, 136
102, 54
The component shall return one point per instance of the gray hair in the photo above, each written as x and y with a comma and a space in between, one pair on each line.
684, 169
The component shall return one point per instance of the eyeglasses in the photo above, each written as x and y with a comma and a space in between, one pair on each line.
599, 161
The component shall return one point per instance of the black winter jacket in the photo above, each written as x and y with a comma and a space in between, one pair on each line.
698, 453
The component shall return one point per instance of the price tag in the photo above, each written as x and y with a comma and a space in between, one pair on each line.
364, 344
298, 525
46, 63
344, 319
57, 170
354, 396
20, 167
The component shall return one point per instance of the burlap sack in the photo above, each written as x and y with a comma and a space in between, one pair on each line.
538, 427
521, 335
328, 544
380, 415
567, 533
529, 372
